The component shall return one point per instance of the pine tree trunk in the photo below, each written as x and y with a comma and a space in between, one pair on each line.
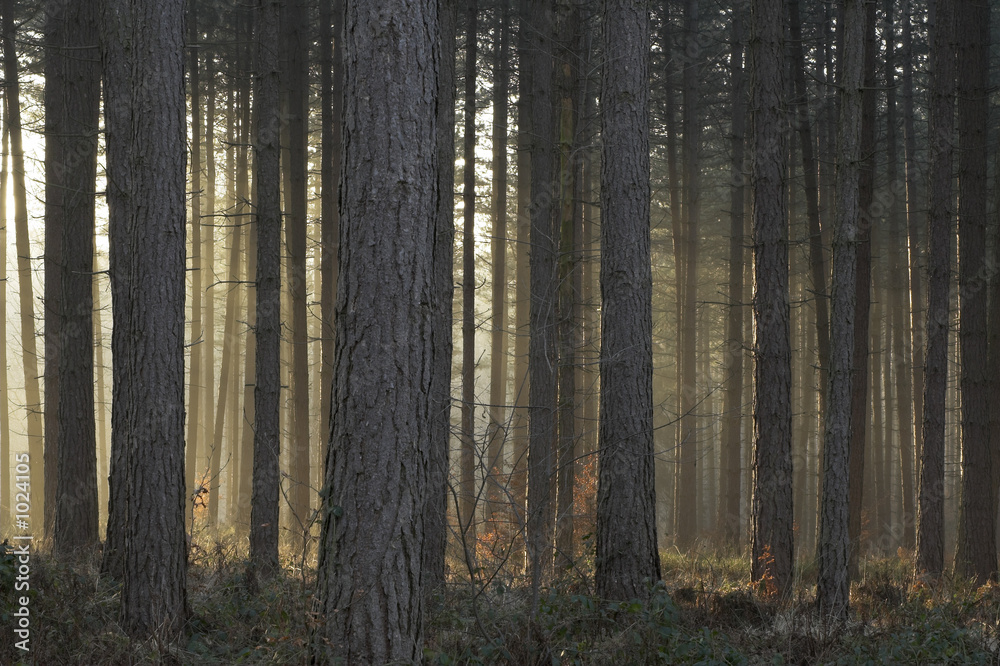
771, 533
143, 57
377, 468
976, 555
266, 442
627, 560
832, 591
930, 527
5, 478
72, 110
442, 291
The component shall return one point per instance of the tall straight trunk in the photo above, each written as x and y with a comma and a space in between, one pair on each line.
377, 467
467, 459
72, 111
875, 497
899, 301
687, 516
266, 441
772, 553
567, 82
914, 265
142, 44
296, 48
860, 423
497, 435
522, 288
817, 261
331, 103
442, 291
542, 346
729, 506
941, 128
29, 353
194, 424
627, 560
976, 555
832, 590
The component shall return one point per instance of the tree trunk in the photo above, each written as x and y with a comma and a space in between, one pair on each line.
144, 111
976, 556
860, 401
497, 435
5, 478
627, 559
467, 464
296, 45
930, 527
542, 346
729, 506
771, 533
29, 354
442, 290
72, 111
832, 591
377, 468
266, 442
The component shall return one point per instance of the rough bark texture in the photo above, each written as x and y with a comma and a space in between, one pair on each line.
627, 560
976, 556
29, 350
72, 125
369, 586
5, 476
542, 346
266, 442
930, 516
729, 506
435, 509
834, 544
142, 43
771, 531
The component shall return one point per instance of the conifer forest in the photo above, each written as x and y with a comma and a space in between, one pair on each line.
526, 332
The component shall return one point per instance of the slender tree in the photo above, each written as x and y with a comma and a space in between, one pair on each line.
834, 545
771, 533
142, 43
941, 128
627, 559
377, 467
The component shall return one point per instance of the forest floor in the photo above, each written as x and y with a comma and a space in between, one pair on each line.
704, 612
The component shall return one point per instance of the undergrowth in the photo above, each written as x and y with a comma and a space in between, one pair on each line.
703, 612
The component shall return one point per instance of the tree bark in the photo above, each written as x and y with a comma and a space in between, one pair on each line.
377, 467
72, 111
143, 57
267, 386
976, 555
627, 559
771, 532
941, 128
442, 289
832, 591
